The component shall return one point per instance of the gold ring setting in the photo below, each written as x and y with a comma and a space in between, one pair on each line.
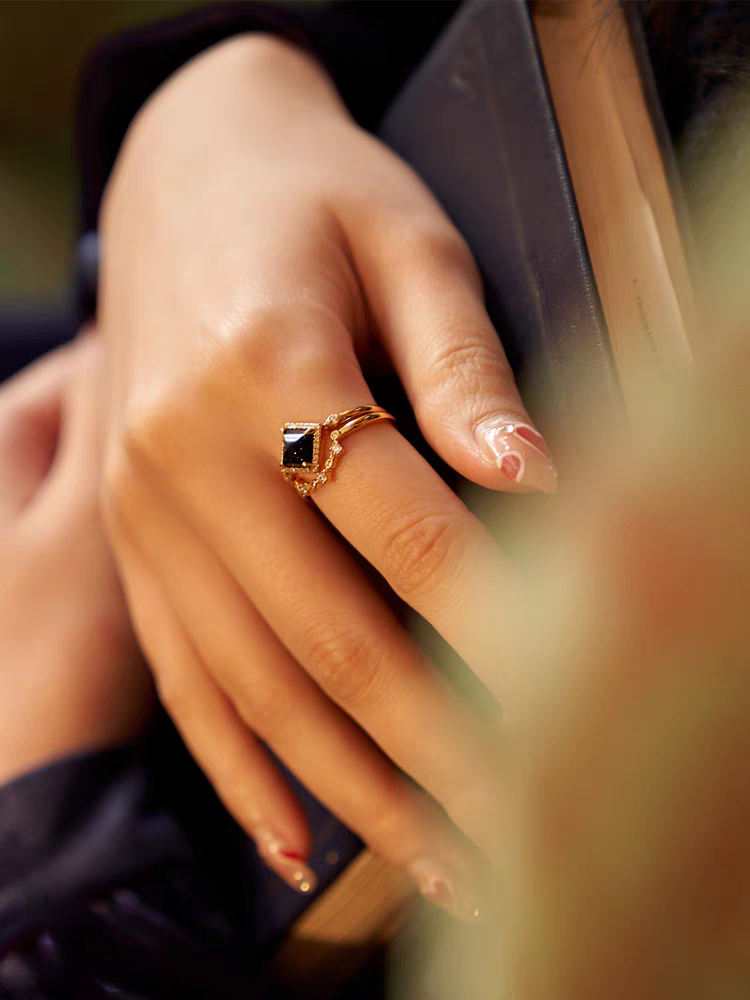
304, 444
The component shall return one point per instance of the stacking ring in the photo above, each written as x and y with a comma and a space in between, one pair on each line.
303, 445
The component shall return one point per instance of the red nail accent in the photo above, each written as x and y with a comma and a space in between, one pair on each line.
534, 439
290, 855
510, 466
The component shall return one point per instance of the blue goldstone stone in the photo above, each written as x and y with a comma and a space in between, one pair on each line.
299, 448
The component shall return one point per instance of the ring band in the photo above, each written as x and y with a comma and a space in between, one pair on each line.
303, 442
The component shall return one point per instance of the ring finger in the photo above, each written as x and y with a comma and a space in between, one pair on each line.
330, 754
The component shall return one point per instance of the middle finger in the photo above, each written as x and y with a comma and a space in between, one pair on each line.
307, 587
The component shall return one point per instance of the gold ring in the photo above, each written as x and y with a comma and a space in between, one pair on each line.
303, 444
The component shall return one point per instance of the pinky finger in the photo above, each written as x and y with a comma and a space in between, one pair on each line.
232, 758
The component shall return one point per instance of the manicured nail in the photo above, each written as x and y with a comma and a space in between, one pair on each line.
519, 451
512, 466
287, 864
440, 887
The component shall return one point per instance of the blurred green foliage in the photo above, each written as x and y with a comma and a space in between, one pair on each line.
42, 44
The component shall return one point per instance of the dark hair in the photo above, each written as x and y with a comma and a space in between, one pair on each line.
698, 50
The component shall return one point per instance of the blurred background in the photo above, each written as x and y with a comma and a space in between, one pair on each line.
42, 44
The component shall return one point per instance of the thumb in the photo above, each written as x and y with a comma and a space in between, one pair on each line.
31, 407
429, 307
75, 476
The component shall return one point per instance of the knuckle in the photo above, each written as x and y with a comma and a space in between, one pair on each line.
450, 251
255, 338
465, 364
289, 340
154, 444
468, 362
345, 665
123, 489
455, 357
154, 433
265, 709
136, 432
418, 550
441, 245
133, 451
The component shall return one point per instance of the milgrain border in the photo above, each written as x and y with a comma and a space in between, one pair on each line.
313, 466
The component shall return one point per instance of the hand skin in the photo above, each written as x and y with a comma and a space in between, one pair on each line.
72, 679
259, 250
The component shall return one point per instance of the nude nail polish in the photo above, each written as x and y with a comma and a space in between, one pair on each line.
519, 451
442, 887
534, 438
287, 864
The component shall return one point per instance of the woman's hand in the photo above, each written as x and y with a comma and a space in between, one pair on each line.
259, 250
71, 678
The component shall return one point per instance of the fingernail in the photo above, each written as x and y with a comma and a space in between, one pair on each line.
287, 864
519, 451
512, 466
441, 887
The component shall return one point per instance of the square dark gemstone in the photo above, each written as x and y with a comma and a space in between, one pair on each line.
299, 447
